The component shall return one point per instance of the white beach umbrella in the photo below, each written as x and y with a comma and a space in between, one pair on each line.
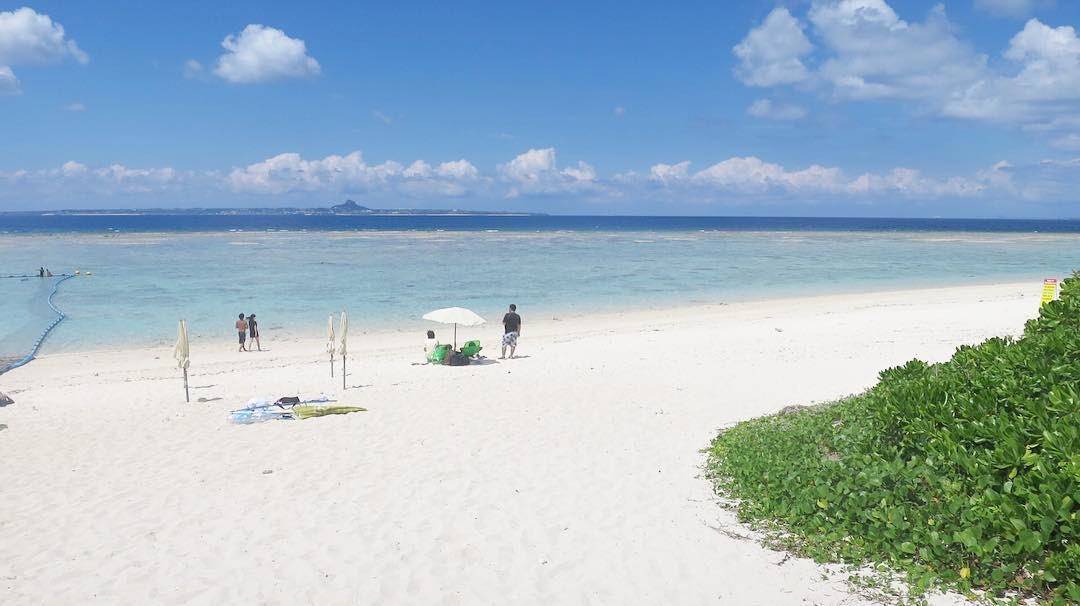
182, 353
344, 340
455, 316
331, 342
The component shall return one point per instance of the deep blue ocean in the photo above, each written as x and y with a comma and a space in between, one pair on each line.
61, 223
148, 271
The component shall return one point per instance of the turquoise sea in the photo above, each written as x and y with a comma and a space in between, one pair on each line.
387, 276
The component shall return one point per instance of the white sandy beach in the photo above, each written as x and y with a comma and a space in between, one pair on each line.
569, 476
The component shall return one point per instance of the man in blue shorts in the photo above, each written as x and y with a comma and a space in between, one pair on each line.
511, 331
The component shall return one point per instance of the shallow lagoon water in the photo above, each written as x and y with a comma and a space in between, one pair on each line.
142, 283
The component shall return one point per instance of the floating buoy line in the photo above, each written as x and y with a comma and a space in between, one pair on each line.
60, 315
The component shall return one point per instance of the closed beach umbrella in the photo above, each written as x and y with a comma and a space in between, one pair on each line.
182, 354
331, 342
344, 340
455, 316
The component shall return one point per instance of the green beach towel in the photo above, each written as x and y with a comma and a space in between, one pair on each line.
307, 412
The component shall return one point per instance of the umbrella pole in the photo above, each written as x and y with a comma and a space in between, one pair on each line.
455, 335
187, 398
343, 371
331, 366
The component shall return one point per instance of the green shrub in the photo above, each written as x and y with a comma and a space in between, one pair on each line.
964, 474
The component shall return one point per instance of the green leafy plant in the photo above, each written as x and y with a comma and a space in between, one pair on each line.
964, 474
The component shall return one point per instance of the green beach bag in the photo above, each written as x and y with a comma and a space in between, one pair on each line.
439, 354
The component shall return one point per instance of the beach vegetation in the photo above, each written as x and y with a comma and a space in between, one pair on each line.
962, 475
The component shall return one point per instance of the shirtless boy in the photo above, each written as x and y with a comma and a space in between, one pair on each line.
241, 329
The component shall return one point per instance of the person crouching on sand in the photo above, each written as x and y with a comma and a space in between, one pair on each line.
253, 331
241, 329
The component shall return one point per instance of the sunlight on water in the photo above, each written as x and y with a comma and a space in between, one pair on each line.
143, 283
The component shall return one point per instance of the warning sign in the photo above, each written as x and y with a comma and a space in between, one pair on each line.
1049, 290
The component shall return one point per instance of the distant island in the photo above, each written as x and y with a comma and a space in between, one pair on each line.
348, 207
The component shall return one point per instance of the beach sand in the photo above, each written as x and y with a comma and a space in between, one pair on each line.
571, 475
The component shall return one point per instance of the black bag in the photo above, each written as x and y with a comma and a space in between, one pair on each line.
459, 359
287, 401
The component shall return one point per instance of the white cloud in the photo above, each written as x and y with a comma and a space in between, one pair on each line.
458, 169
536, 172
289, 172
72, 168
1045, 88
753, 175
531, 166
9, 84
1010, 8
263, 54
75, 178
670, 172
771, 54
381, 117
765, 108
30, 38
619, 111
75, 107
869, 52
875, 54
418, 169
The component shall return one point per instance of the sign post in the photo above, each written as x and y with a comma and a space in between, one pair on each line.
1049, 290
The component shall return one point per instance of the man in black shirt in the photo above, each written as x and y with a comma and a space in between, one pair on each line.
512, 328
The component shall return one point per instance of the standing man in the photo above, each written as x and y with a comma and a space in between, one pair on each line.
511, 331
241, 329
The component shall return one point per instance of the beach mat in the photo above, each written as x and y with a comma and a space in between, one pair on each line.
307, 412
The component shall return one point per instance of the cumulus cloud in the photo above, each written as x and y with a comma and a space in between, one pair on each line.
381, 117
771, 53
75, 106
670, 172
876, 54
536, 172
765, 108
290, 172
458, 169
866, 51
1044, 89
30, 38
72, 168
263, 54
752, 175
72, 178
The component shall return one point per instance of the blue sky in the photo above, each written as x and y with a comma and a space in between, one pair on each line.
817, 107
